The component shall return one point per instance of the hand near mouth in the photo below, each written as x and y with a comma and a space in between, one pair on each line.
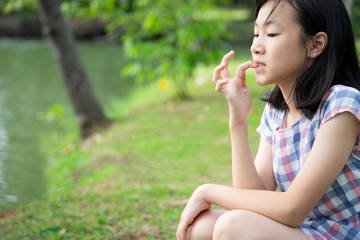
234, 89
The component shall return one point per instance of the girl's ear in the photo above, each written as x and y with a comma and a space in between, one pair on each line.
317, 44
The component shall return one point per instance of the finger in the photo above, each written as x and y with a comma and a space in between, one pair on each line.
181, 234
179, 231
178, 237
227, 57
225, 73
220, 84
217, 72
240, 72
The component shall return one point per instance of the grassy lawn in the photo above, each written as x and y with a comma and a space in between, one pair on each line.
130, 181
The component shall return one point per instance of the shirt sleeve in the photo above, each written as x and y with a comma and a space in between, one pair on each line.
265, 127
342, 99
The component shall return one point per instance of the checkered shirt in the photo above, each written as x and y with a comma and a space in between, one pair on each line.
337, 215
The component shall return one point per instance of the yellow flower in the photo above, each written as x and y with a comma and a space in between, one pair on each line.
162, 84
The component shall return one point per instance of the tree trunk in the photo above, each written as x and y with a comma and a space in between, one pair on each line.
87, 109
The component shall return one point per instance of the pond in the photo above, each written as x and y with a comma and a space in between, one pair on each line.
30, 84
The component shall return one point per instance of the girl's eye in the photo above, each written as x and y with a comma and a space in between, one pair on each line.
272, 35
256, 35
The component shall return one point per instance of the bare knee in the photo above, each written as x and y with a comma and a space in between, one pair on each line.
234, 225
203, 226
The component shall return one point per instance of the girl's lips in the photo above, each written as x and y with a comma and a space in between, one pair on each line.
260, 68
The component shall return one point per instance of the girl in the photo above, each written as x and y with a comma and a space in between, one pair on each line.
309, 146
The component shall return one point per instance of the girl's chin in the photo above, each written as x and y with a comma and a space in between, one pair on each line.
261, 82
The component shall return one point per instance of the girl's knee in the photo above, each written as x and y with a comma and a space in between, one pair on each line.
234, 224
203, 225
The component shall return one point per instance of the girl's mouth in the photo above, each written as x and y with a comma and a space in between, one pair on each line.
260, 68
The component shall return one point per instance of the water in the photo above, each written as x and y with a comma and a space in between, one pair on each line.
29, 84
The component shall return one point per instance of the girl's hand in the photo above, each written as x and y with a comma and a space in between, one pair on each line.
234, 89
193, 208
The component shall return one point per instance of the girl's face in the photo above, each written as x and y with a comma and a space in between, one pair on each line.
277, 48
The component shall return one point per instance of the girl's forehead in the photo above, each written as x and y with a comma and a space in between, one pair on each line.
280, 14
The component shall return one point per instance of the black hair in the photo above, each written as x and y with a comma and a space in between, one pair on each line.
337, 64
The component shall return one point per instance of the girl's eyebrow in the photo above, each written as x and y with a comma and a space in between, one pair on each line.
269, 22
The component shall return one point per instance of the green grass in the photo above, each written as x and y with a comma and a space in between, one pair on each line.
128, 182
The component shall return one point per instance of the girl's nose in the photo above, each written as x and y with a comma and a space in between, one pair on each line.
257, 47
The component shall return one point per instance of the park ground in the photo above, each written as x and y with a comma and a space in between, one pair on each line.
132, 180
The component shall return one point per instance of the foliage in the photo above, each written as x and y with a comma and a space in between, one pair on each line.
104, 9
20, 6
167, 39
356, 18
249, 4
131, 182
71, 8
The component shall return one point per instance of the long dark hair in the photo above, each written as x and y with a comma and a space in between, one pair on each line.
337, 64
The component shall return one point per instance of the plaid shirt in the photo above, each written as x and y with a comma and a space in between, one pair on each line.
337, 215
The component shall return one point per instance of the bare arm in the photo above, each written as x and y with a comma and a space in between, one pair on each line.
245, 174
331, 149
264, 165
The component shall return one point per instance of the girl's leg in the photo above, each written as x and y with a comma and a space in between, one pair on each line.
241, 224
203, 226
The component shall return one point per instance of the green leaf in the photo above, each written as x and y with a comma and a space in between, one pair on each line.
131, 70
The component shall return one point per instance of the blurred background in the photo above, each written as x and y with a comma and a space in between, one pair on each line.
120, 60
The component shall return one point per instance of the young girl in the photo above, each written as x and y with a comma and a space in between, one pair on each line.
309, 146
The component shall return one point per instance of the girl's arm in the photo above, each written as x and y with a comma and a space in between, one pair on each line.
264, 165
333, 145
245, 174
